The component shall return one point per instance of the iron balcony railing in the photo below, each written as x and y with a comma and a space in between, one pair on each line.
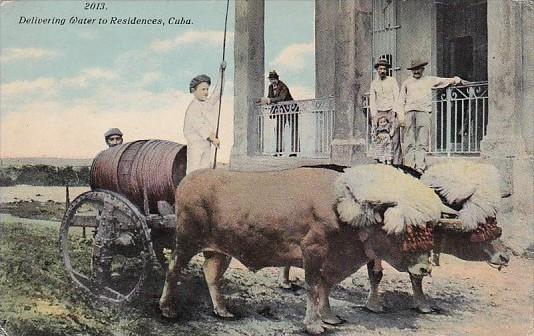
459, 119
301, 128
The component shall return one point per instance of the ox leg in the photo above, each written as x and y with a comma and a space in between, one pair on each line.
421, 304
283, 278
312, 265
167, 304
324, 306
214, 267
375, 276
312, 320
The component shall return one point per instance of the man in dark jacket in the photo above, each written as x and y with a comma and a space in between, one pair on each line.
279, 92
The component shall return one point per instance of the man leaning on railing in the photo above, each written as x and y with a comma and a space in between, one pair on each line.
413, 109
279, 92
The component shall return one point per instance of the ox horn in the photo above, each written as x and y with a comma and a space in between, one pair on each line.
381, 206
447, 210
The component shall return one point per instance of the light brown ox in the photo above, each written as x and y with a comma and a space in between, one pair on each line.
275, 219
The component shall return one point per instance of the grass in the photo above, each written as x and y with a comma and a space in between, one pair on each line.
37, 296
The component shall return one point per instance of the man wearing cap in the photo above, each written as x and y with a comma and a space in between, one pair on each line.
200, 121
279, 92
383, 95
414, 108
113, 137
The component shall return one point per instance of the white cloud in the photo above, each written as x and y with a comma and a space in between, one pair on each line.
27, 87
299, 92
47, 85
294, 57
76, 128
5, 2
189, 38
27, 54
88, 75
150, 78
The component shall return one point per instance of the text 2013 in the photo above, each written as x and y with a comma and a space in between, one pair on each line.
95, 5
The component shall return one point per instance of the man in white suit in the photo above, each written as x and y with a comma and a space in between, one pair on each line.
200, 121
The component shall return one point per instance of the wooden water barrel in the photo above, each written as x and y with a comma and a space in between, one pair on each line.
151, 167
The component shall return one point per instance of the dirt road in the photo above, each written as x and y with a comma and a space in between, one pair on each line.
471, 299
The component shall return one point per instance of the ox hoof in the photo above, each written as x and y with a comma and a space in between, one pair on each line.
332, 320
425, 309
314, 329
168, 312
285, 285
223, 314
375, 307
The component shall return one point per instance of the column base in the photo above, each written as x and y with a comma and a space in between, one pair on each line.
349, 152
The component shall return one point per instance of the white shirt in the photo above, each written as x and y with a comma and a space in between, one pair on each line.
416, 94
201, 117
383, 94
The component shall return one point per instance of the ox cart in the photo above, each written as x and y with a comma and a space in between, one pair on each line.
113, 236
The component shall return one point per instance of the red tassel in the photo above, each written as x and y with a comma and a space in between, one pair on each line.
486, 231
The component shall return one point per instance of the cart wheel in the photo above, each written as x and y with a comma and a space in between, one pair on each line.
105, 245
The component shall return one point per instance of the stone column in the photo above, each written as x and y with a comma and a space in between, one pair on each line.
352, 79
508, 143
249, 46
504, 77
325, 43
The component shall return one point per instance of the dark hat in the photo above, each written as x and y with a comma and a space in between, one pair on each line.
273, 74
382, 61
112, 131
416, 64
197, 80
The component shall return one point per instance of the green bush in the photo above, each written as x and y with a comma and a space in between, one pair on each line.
44, 175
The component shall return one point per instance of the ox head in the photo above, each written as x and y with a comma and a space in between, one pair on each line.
379, 242
478, 245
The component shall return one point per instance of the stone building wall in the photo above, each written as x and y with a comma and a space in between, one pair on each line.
345, 45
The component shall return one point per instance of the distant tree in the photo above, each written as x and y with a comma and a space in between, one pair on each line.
83, 175
45, 175
6, 181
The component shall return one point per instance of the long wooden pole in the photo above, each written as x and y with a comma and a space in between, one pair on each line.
222, 84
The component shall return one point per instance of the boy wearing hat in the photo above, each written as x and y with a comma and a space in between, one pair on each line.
200, 121
414, 108
383, 95
113, 137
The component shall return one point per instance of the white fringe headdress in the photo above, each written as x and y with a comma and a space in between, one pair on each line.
474, 185
363, 189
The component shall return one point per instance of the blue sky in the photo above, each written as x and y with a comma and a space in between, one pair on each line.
62, 86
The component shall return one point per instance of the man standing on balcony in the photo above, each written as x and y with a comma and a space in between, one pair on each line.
279, 92
414, 108
383, 94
